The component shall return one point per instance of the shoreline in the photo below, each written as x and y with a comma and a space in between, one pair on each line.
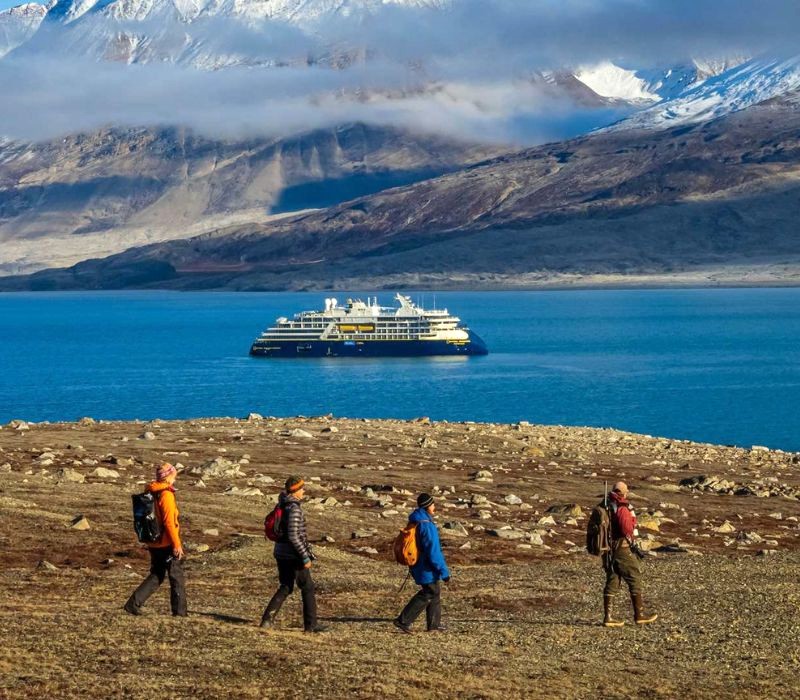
716, 278
395, 421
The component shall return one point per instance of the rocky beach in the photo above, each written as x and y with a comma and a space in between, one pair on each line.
721, 526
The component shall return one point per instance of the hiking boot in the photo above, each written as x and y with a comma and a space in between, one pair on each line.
405, 629
317, 629
438, 628
608, 618
638, 613
131, 609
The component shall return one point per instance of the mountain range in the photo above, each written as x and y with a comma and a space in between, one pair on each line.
685, 169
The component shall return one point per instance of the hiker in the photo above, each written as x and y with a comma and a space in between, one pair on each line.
166, 553
621, 562
428, 571
294, 557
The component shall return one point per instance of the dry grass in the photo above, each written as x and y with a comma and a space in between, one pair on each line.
523, 623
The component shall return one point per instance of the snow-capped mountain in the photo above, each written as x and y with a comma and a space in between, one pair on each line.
735, 89
18, 24
216, 34
651, 85
188, 31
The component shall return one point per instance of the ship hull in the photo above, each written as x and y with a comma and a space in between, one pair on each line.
367, 348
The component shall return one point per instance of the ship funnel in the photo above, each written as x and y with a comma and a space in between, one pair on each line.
334, 303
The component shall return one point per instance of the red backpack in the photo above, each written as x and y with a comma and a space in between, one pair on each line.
273, 524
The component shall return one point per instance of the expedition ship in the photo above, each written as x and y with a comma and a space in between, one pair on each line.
361, 329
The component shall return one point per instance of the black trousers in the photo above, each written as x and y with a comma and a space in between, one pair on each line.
291, 571
163, 564
429, 599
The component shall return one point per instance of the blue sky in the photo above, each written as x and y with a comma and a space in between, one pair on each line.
5, 4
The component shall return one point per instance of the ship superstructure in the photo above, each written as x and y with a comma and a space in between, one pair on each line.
368, 329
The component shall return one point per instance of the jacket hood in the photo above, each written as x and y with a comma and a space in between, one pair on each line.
156, 486
617, 498
285, 498
419, 515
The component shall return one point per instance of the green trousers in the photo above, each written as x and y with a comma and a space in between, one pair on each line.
622, 565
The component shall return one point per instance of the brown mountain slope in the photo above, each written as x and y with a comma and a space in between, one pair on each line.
643, 203
95, 194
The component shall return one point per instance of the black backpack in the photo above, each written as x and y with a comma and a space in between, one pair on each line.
146, 521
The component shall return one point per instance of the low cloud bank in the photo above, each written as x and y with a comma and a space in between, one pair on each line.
470, 68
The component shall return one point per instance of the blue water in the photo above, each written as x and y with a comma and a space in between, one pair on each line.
713, 365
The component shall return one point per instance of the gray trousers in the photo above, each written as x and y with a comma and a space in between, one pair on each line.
429, 599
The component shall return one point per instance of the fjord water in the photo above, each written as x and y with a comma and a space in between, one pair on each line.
715, 365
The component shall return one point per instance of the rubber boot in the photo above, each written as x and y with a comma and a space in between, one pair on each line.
608, 620
267, 619
638, 614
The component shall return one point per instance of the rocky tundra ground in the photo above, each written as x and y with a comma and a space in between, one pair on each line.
721, 526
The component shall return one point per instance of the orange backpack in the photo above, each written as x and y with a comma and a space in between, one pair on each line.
405, 546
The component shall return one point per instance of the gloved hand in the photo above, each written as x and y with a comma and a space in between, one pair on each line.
446, 580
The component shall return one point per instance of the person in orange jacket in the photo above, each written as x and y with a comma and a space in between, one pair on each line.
166, 555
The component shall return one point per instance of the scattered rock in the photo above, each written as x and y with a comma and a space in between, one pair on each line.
218, 467
512, 500
79, 522
103, 473
147, 435
211, 532
749, 537
649, 522
87, 420
253, 417
67, 474
507, 534
247, 491
483, 475
45, 565
453, 527
565, 510
725, 529
121, 461
367, 550
197, 548
330, 429
300, 433
361, 534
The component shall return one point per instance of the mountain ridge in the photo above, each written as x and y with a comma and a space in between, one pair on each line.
564, 208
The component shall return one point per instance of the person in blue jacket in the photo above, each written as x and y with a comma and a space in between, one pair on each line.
430, 569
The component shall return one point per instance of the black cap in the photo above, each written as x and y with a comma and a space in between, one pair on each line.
424, 500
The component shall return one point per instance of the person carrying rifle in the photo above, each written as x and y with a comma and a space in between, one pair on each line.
622, 561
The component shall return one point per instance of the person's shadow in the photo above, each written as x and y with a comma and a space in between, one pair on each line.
222, 617
357, 619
